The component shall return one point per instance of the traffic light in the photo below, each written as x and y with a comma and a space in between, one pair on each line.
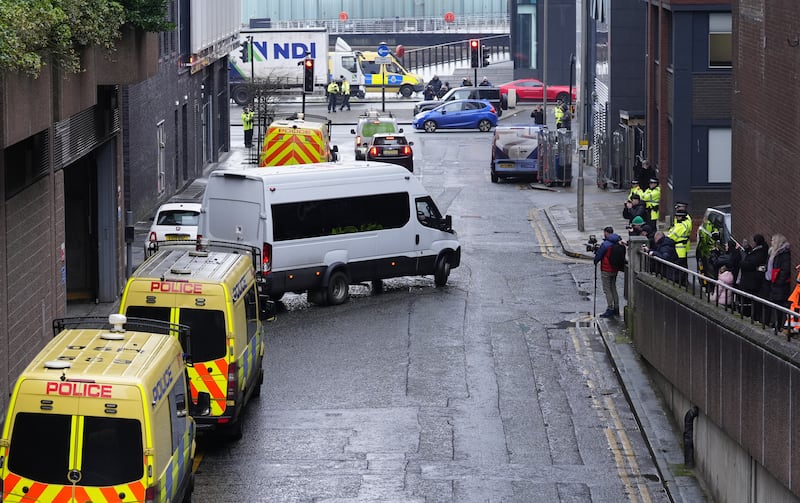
308, 75
484, 56
475, 56
244, 51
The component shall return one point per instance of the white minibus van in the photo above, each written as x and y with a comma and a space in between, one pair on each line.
322, 227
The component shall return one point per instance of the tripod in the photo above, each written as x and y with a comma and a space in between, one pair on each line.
594, 297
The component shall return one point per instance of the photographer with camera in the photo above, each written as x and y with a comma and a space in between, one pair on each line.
608, 255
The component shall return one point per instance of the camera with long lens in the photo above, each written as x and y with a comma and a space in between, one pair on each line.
592, 245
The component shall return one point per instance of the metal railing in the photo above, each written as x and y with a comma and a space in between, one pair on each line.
742, 304
497, 47
490, 23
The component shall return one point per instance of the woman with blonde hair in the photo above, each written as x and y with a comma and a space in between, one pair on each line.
777, 277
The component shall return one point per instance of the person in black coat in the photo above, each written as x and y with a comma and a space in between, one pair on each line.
635, 208
730, 258
752, 267
777, 277
664, 249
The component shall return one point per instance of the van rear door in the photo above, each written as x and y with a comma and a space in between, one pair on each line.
233, 210
79, 452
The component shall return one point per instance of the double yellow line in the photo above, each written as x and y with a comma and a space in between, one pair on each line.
619, 443
548, 247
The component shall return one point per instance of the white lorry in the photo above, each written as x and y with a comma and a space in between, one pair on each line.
275, 57
322, 227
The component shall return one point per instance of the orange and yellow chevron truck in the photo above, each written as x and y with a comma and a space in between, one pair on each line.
297, 141
102, 414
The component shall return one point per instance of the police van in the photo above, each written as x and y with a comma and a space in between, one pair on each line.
299, 139
101, 414
215, 294
322, 228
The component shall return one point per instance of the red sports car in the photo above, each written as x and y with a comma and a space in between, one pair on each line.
531, 90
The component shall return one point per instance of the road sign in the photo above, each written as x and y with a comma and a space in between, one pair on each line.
383, 50
383, 60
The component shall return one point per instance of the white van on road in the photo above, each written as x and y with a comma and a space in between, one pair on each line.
322, 227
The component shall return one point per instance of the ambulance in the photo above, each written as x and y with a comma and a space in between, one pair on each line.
101, 414
215, 294
297, 141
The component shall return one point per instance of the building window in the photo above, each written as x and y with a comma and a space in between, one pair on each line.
719, 155
719, 40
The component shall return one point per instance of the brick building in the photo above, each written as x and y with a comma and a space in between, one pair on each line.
77, 151
689, 90
766, 120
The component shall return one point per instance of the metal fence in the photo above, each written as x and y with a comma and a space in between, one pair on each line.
738, 303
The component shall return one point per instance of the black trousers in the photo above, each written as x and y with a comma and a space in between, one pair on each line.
248, 137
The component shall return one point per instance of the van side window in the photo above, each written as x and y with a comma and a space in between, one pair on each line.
178, 403
427, 212
369, 67
251, 312
325, 217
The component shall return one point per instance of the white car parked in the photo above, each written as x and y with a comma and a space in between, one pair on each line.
173, 222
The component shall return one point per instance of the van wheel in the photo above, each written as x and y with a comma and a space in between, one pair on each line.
499, 111
494, 177
338, 289
187, 496
406, 91
429, 126
484, 125
234, 432
316, 296
377, 286
257, 391
442, 272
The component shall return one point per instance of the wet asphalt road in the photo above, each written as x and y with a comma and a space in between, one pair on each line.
493, 388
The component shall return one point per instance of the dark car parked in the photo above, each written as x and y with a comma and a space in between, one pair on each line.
393, 148
490, 93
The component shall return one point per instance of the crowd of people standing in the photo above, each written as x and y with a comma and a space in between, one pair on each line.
760, 268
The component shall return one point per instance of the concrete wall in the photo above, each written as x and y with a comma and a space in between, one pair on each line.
744, 379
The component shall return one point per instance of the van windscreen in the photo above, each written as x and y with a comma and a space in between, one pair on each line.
112, 449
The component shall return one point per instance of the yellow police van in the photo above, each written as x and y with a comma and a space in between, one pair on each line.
299, 139
216, 295
101, 414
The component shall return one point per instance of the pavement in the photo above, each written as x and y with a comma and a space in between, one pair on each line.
601, 207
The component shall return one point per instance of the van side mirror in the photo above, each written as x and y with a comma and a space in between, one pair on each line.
203, 405
448, 223
335, 148
352, 131
400, 130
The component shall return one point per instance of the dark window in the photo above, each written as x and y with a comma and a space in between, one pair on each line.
307, 219
40, 447
112, 451
251, 312
150, 313
427, 212
207, 332
178, 217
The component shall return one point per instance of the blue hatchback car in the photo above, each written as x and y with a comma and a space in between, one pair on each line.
458, 114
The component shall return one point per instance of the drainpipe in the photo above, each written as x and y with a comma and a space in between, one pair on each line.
688, 437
